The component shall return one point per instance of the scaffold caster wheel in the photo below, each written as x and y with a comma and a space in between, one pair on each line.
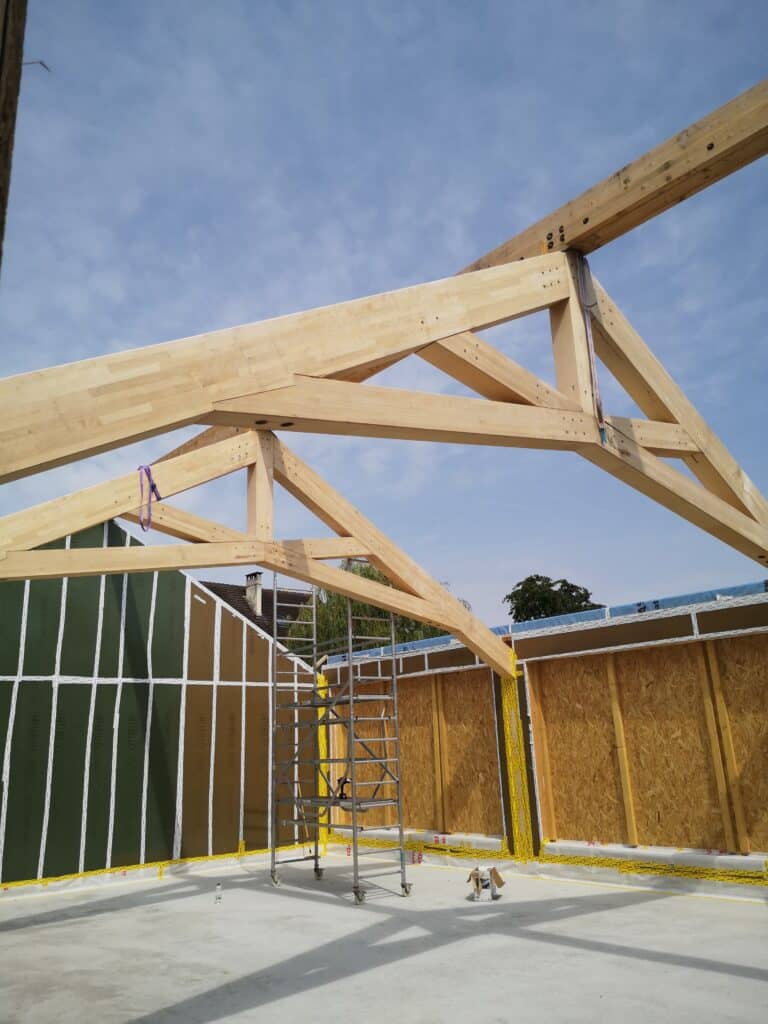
359, 895
275, 879
319, 873
406, 887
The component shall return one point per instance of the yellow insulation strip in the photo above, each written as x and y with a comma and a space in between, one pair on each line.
322, 785
626, 867
157, 865
517, 774
649, 867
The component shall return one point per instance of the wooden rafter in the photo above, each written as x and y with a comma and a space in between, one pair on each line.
98, 404
640, 373
722, 142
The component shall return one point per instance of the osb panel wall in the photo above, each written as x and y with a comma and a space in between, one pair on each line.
468, 749
669, 750
743, 663
586, 791
422, 807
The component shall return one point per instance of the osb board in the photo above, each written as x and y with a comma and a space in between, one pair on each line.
586, 791
743, 665
469, 756
417, 754
668, 747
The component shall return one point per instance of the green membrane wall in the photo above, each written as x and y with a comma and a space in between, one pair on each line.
134, 722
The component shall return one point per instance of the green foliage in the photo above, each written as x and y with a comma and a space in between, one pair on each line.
538, 597
332, 617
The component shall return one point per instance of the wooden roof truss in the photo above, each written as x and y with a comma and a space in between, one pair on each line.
308, 372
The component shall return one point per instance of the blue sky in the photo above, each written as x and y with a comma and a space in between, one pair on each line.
190, 166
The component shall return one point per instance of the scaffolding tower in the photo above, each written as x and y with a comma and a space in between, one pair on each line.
335, 748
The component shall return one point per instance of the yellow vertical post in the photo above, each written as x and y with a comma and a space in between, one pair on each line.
322, 754
517, 775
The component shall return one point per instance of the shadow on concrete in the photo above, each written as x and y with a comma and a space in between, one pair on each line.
376, 944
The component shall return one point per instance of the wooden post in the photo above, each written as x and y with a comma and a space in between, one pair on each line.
717, 760
541, 752
573, 369
621, 753
731, 766
260, 476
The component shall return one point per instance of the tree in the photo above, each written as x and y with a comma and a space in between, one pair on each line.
371, 621
537, 597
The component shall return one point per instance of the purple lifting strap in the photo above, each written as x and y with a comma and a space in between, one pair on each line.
152, 492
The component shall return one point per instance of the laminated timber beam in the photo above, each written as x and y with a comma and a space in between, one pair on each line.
92, 406
337, 407
174, 522
259, 506
724, 141
278, 555
647, 473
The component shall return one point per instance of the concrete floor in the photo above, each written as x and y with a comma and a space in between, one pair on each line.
563, 951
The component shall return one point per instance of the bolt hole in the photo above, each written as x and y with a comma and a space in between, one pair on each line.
585, 221
710, 145
288, 423
259, 423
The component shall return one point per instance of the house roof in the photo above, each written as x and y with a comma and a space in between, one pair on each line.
234, 595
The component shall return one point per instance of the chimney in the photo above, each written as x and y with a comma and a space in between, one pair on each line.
253, 591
